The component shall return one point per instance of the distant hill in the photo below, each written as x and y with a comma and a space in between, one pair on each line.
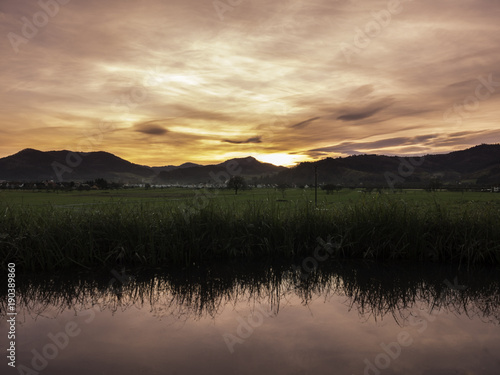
167, 168
479, 164
34, 165
476, 165
248, 167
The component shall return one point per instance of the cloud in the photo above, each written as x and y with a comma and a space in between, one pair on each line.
269, 68
417, 145
304, 123
150, 128
249, 140
348, 147
360, 115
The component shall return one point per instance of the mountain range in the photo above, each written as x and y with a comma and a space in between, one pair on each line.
476, 165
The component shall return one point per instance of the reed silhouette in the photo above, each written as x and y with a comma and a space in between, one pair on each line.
374, 290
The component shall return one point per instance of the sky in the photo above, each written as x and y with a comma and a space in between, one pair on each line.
171, 81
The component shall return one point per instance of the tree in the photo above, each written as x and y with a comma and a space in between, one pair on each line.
329, 188
282, 187
434, 184
236, 183
101, 183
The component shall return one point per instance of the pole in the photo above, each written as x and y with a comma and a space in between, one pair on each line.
316, 186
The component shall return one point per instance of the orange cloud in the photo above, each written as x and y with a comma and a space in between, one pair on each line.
269, 78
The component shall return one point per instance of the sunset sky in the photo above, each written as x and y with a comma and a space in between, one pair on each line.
171, 81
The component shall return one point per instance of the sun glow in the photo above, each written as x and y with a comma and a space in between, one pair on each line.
281, 159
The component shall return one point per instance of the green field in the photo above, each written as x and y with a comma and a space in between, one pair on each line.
70, 199
154, 227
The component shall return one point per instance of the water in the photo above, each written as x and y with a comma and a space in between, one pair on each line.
344, 318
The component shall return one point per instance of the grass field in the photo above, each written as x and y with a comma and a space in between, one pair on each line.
43, 231
174, 195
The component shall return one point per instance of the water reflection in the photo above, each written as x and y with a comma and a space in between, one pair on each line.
244, 318
373, 290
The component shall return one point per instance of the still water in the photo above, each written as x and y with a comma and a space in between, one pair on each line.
343, 318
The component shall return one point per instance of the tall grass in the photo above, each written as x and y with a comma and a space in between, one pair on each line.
159, 234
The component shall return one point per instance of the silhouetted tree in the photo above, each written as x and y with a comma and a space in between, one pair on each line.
329, 188
236, 183
434, 184
101, 183
282, 188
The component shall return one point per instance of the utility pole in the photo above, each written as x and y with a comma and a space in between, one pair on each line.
316, 186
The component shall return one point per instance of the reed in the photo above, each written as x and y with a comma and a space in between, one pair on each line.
153, 234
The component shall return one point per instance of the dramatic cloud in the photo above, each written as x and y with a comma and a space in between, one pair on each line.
249, 140
311, 78
411, 145
150, 128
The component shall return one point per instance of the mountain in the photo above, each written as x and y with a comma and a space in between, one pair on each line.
34, 165
476, 165
167, 168
479, 164
215, 174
